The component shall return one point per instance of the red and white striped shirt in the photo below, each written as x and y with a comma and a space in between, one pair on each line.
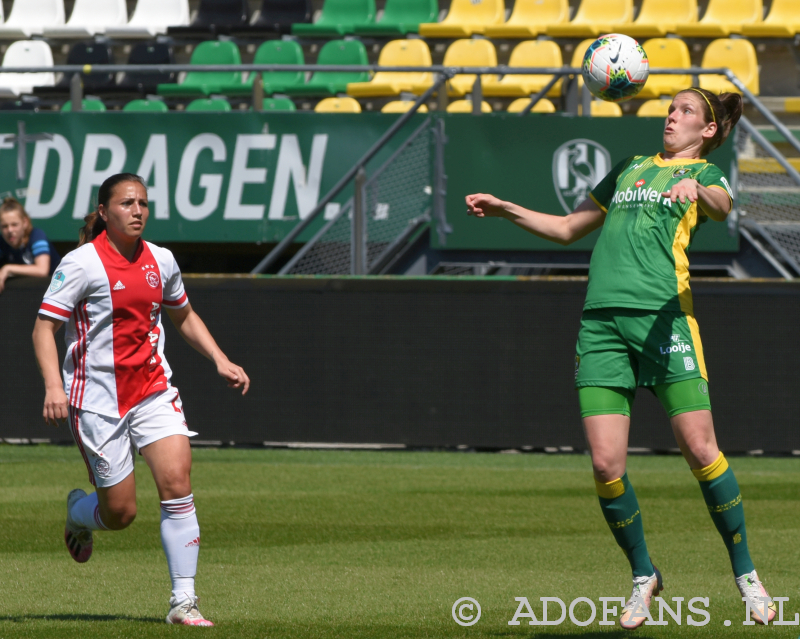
115, 339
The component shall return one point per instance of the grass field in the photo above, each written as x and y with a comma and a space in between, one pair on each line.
322, 544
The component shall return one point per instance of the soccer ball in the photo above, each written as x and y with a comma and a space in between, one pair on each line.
615, 67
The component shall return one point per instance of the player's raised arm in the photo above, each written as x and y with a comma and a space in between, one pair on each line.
557, 228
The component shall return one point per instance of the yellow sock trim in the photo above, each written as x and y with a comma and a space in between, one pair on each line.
611, 490
712, 471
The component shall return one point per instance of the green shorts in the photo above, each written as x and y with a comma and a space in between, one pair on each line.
627, 347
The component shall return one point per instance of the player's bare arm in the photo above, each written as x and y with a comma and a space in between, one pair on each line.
560, 229
44, 345
713, 202
195, 332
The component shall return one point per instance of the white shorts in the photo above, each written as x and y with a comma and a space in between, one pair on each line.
108, 444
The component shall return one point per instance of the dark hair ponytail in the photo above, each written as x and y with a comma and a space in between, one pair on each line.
724, 109
94, 225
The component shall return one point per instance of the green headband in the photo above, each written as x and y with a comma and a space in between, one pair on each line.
710, 108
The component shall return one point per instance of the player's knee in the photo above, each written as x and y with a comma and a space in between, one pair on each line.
606, 469
706, 453
119, 517
175, 485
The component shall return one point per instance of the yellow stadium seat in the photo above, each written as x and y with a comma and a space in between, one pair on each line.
657, 18
666, 53
542, 106
655, 108
603, 109
593, 18
532, 53
465, 18
530, 18
473, 53
465, 106
723, 17
577, 58
338, 105
739, 56
397, 53
401, 106
783, 21
792, 105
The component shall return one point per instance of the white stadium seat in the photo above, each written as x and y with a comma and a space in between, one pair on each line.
152, 17
26, 53
90, 17
29, 17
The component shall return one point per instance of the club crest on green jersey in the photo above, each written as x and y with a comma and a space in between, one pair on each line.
681, 172
578, 167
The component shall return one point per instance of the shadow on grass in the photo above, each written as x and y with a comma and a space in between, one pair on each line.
78, 617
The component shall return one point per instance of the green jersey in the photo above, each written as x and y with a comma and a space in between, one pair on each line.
640, 260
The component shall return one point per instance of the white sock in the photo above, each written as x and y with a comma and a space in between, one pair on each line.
86, 513
180, 537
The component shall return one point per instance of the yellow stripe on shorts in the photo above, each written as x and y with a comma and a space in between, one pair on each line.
698, 345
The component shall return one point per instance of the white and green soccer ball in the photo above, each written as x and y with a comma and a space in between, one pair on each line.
615, 67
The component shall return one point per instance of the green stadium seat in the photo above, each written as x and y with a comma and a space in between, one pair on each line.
152, 106
272, 52
338, 18
329, 83
401, 17
197, 83
278, 104
208, 104
86, 105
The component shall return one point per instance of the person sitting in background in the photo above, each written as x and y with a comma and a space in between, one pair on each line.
25, 250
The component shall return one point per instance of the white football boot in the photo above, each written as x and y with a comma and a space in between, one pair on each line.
753, 589
185, 613
644, 589
79, 540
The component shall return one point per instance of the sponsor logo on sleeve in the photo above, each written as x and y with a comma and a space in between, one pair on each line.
727, 186
58, 281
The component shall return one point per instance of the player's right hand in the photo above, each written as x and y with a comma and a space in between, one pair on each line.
55, 406
485, 205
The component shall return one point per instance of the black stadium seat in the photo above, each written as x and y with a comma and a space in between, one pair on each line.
145, 83
216, 16
85, 53
278, 16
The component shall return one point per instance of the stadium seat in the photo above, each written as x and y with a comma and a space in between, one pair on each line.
792, 105
29, 17
198, 83
329, 83
476, 53
147, 82
530, 18
666, 53
152, 17
208, 104
409, 53
401, 17
532, 53
278, 104
783, 21
87, 53
465, 106
150, 106
401, 106
278, 16
26, 53
723, 17
603, 109
577, 58
654, 108
215, 16
593, 18
338, 105
465, 18
87, 104
90, 17
542, 106
739, 56
657, 18
272, 52
338, 18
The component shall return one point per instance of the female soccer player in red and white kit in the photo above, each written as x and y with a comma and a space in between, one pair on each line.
116, 393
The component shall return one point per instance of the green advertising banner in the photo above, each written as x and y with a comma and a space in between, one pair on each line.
212, 177
548, 163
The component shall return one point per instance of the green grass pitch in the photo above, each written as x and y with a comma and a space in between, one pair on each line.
331, 544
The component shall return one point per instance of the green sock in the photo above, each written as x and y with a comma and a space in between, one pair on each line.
724, 501
621, 510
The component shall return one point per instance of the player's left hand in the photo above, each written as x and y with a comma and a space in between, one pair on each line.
686, 189
234, 375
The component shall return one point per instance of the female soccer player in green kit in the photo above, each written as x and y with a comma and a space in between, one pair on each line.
638, 326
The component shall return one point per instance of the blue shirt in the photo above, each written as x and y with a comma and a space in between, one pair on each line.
38, 244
